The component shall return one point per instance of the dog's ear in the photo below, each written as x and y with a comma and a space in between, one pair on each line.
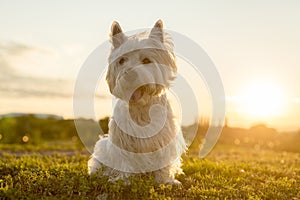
157, 31
117, 36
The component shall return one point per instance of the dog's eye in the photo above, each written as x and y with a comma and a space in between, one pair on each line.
146, 61
122, 61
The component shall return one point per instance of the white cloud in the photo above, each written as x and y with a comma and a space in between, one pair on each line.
16, 84
17, 49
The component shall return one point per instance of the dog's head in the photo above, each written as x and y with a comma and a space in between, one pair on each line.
140, 65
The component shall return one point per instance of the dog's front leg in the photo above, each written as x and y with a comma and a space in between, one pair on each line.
165, 176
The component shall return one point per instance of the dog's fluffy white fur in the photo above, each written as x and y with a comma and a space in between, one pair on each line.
143, 134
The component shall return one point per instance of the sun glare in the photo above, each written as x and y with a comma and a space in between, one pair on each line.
262, 99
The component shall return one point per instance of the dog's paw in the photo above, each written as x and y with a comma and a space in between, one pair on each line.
124, 181
174, 182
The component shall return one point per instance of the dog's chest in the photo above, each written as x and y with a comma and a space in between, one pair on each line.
130, 141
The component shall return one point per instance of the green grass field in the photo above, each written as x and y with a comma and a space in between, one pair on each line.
227, 173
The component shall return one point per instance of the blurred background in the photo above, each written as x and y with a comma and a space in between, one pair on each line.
255, 46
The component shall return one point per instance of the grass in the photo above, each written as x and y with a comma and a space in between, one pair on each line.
46, 146
228, 173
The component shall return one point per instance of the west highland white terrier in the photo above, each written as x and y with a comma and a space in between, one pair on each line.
144, 137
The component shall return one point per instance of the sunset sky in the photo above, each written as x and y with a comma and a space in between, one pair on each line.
255, 46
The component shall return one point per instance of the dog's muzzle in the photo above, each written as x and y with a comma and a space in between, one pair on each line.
132, 84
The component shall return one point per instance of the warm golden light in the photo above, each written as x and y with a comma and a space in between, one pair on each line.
262, 99
25, 138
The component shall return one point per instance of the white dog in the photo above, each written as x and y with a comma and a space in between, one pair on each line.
144, 137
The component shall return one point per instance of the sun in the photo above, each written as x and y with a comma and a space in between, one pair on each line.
262, 99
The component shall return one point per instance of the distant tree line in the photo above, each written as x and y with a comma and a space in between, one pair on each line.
257, 137
36, 130
30, 129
